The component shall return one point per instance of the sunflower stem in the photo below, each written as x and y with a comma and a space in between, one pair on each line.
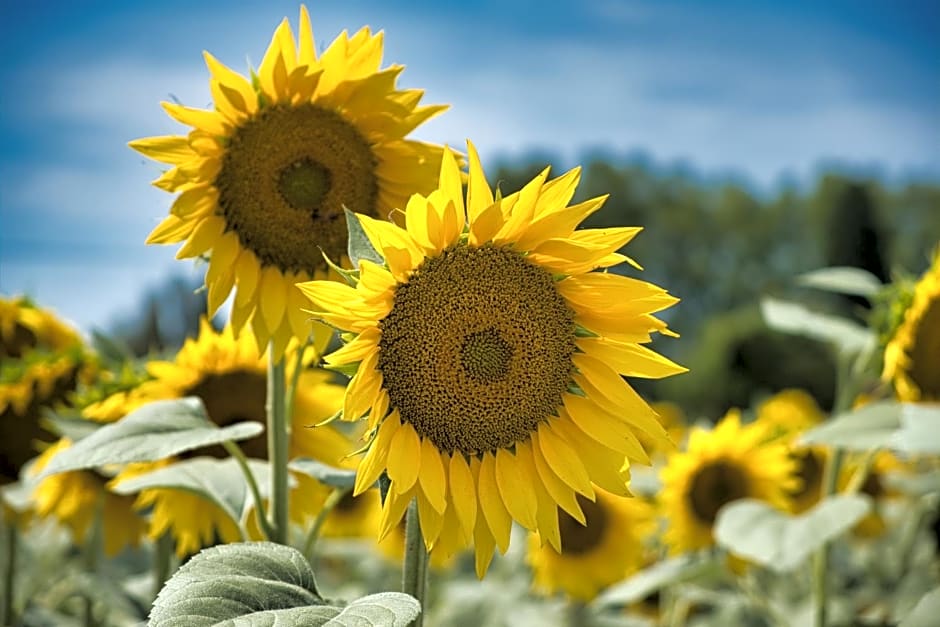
161, 562
9, 572
578, 615
91, 554
236, 452
295, 377
278, 438
844, 389
328, 506
415, 571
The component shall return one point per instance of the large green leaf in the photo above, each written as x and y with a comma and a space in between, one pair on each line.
219, 480
386, 609
324, 473
262, 584
759, 532
842, 280
358, 246
920, 429
233, 580
869, 427
659, 575
797, 319
155, 431
926, 611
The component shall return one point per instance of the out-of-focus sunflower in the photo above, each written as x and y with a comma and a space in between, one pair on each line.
489, 358
594, 555
810, 467
42, 360
911, 357
876, 486
75, 498
265, 175
673, 419
788, 413
354, 517
229, 375
727, 463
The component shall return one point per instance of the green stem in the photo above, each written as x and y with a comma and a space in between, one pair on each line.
9, 573
295, 377
278, 437
578, 615
92, 552
161, 562
844, 391
236, 452
328, 506
415, 572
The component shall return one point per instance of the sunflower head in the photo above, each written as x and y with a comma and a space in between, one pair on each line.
788, 413
911, 360
42, 360
77, 498
604, 548
228, 373
730, 462
489, 358
263, 177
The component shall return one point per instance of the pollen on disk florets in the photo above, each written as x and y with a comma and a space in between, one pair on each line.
477, 349
286, 175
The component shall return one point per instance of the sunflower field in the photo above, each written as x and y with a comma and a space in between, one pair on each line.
425, 389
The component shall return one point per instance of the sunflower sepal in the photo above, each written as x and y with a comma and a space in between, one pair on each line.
350, 276
358, 245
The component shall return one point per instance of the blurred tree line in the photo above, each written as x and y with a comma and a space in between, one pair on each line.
719, 246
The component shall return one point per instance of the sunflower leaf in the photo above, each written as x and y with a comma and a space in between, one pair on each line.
757, 531
797, 319
358, 246
324, 473
218, 480
155, 431
226, 582
925, 612
660, 575
842, 280
920, 429
261, 584
869, 427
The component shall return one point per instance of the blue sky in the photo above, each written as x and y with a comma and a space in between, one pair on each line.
761, 91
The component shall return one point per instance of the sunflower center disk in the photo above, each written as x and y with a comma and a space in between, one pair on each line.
577, 538
485, 355
714, 486
232, 397
286, 175
476, 351
925, 369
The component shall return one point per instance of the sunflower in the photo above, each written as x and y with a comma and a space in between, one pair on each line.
229, 375
354, 516
74, 498
730, 462
489, 358
789, 412
603, 550
877, 486
673, 419
264, 176
911, 361
42, 360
